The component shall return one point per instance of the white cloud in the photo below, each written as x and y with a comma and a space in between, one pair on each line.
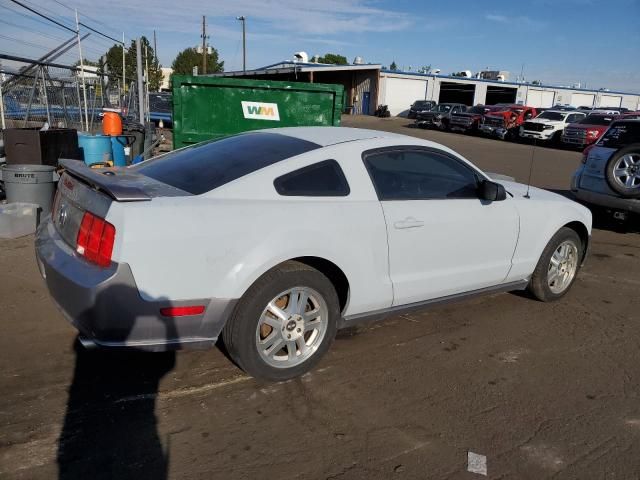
520, 21
320, 17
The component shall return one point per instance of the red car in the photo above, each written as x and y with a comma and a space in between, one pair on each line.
505, 123
471, 120
588, 130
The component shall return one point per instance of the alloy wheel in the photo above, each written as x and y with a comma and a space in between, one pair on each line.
562, 267
627, 170
292, 327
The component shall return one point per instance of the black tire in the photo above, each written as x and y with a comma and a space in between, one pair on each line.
240, 331
538, 285
628, 192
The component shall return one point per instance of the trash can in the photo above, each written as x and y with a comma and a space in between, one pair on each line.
30, 184
137, 132
96, 148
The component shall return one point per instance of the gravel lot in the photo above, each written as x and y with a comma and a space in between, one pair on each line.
541, 390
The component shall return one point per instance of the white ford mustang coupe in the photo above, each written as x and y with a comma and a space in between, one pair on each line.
274, 239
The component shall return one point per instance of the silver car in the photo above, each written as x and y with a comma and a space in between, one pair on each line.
609, 176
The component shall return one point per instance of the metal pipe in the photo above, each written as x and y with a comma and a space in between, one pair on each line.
2, 108
84, 86
124, 78
46, 96
141, 113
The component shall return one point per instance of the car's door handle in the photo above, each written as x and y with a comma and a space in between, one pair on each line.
408, 222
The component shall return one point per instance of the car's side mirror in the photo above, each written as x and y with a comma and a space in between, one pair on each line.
492, 191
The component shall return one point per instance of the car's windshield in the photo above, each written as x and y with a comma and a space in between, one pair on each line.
621, 134
552, 116
597, 120
443, 107
160, 102
422, 104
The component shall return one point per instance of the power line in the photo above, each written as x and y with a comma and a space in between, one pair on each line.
100, 33
17, 25
43, 15
85, 15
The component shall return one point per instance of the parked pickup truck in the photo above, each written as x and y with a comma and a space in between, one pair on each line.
471, 120
504, 124
549, 125
588, 130
439, 115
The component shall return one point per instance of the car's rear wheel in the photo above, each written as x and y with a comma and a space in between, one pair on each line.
623, 171
284, 323
558, 266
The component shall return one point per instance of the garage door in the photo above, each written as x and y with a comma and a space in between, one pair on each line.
400, 93
540, 98
610, 101
582, 99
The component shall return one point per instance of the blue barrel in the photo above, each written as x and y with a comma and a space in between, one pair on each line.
118, 142
95, 148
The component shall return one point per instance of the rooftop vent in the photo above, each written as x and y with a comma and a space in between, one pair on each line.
302, 57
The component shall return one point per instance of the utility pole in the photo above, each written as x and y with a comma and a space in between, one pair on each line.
243, 19
84, 85
204, 46
124, 75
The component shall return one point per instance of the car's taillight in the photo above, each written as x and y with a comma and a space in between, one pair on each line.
585, 153
95, 239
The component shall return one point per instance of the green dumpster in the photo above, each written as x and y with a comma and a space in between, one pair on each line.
211, 107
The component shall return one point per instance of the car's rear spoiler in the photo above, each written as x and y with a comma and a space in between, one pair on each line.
118, 183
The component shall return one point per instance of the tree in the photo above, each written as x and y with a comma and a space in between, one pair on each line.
393, 66
334, 59
113, 63
189, 58
426, 69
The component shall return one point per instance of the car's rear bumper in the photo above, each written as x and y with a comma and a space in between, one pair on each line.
607, 201
106, 306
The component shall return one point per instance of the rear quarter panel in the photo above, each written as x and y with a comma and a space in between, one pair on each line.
218, 244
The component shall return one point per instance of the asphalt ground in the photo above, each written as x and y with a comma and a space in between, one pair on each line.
540, 390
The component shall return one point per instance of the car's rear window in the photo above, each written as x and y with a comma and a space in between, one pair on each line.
621, 134
206, 166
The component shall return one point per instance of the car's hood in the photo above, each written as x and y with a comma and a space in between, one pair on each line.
470, 115
519, 190
586, 126
545, 121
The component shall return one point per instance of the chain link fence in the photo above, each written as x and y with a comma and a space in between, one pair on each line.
37, 94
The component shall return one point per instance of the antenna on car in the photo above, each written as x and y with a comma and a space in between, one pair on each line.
533, 152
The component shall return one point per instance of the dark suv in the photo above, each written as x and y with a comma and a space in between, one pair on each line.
420, 106
610, 172
439, 115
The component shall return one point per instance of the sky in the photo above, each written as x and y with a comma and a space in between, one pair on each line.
559, 42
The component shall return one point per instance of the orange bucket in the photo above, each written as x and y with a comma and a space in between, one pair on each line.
111, 123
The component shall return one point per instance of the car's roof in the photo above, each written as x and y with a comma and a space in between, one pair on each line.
325, 136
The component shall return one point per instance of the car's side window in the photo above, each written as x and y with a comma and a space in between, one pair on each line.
323, 179
420, 175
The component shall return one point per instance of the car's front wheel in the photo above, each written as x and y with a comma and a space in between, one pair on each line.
558, 266
284, 323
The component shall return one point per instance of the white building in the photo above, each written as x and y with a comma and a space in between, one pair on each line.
369, 85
